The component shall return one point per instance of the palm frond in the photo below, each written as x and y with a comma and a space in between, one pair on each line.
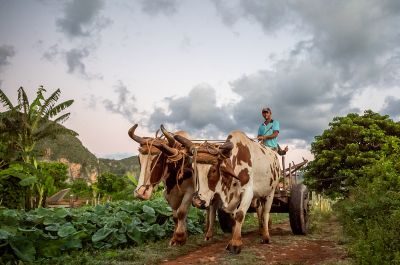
57, 109
39, 93
50, 102
62, 118
5, 101
23, 100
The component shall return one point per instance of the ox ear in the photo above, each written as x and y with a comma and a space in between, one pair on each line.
227, 169
225, 149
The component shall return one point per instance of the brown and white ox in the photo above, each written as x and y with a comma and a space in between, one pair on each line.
244, 171
160, 162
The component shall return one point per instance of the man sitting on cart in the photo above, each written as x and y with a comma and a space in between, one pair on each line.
268, 132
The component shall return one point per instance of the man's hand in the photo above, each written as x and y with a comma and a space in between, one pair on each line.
261, 138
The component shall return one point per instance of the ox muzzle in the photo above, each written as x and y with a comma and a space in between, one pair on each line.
143, 192
198, 202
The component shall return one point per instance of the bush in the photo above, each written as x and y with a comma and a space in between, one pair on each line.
371, 216
80, 188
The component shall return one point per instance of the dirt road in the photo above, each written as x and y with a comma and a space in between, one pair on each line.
321, 247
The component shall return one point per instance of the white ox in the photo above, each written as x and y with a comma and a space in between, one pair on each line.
244, 170
177, 175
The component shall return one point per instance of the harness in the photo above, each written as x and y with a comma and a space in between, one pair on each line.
149, 151
207, 153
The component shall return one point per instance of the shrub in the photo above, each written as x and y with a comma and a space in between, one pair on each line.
371, 216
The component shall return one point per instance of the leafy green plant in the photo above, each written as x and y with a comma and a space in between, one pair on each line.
47, 233
371, 215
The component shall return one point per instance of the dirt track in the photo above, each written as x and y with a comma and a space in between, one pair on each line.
285, 248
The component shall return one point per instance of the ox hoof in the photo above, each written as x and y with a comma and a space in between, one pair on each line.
174, 242
234, 249
265, 241
208, 236
177, 241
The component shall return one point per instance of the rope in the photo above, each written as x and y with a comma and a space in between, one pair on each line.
195, 170
147, 161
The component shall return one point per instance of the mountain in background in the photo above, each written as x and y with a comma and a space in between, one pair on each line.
81, 162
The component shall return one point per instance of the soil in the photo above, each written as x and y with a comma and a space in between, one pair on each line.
285, 248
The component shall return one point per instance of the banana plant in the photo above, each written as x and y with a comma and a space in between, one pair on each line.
24, 124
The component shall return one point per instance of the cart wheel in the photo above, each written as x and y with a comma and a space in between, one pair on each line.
299, 209
225, 221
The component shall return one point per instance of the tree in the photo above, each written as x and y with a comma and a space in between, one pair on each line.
345, 150
58, 171
79, 187
21, 127
25, 124
109, 183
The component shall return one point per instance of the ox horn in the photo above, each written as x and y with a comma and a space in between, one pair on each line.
168, 135
136, 138
169, 151
184, 141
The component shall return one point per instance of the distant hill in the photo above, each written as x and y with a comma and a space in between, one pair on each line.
82, 163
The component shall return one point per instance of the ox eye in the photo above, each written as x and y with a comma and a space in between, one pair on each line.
234, 184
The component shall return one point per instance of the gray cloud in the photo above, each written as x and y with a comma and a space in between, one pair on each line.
196, 113
6, 52
125, 105
303, 95
348, 46
52, 53
391, 107
82, 18
74, 59
359, 38
156, 7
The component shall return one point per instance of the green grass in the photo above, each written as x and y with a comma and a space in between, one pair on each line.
150, 253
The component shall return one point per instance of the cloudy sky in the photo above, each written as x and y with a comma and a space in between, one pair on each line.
205, 66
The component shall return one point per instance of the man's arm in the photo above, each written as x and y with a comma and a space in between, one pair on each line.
267, 137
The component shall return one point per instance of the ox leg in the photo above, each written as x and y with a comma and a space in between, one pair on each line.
235, 244
266, 207
180, 234
260, 218
210, 220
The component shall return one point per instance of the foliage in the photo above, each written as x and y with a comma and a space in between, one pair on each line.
58, 171
22, 126
80, 188
47, 233
109, 183
344, 151
12, 195
37, 178
371, 216
26, 123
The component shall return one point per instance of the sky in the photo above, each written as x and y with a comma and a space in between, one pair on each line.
204, 66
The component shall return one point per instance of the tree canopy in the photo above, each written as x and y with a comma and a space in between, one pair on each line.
348, 148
